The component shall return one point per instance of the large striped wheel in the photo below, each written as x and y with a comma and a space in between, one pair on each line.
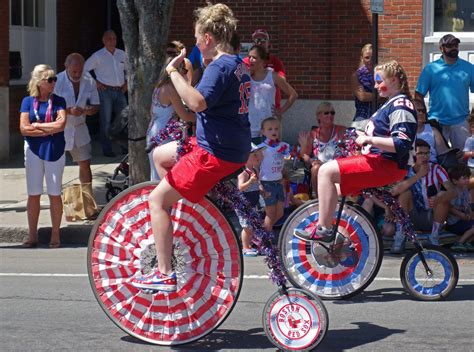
207, 261
306, 265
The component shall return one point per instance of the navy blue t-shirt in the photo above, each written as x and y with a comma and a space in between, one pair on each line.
51, 147
397, 119
223, 129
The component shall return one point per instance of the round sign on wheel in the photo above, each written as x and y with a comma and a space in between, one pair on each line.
296, 320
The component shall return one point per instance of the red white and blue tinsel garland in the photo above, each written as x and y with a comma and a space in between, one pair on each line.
176, 130
348, 147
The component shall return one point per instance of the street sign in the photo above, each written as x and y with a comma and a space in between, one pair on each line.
376, 6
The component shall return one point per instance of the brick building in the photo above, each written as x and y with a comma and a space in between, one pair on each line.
319, 41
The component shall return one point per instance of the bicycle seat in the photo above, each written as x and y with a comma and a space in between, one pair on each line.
232, 175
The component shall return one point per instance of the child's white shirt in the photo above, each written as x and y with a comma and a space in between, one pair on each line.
273, 160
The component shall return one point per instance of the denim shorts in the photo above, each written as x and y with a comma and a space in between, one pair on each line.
275, 191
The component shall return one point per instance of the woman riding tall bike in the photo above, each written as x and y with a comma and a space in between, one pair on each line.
387, 147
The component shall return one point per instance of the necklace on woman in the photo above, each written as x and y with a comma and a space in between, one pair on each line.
49, 110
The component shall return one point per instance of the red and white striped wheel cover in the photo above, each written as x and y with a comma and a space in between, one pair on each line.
209, 279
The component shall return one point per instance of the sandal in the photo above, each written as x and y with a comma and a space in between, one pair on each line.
250, 252
29, 244
54, 245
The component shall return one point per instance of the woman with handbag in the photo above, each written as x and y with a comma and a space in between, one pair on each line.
42, 122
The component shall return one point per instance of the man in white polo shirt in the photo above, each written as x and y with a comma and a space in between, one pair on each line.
108, 65
79, 90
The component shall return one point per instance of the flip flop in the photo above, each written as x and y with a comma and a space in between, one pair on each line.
29, 244
54, 245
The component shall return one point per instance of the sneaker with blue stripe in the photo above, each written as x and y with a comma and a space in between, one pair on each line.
156, 281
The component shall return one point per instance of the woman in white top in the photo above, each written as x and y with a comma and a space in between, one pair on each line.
429, 134
164, 104
262, 97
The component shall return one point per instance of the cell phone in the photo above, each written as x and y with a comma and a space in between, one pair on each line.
432, 191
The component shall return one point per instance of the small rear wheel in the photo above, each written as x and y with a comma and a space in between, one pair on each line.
296, 320
434, 285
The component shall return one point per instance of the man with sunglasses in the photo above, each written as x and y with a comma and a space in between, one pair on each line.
448, 81
260, 37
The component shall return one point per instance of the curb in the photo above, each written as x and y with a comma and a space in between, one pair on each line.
76, 234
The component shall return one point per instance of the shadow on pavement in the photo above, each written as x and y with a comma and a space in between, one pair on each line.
255, 339
462, 292
344, 340
221, 339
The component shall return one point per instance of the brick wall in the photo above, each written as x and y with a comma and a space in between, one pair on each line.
4, 43
320, 41
401, 36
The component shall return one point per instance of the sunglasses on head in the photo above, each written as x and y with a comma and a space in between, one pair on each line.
329, 112
260, 40
51, 79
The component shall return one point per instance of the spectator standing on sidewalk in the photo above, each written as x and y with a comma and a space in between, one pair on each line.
362, 81
42, 121
79, 90
448, 81
261, 38
108, 65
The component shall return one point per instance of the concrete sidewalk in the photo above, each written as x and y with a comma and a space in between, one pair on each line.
13, 198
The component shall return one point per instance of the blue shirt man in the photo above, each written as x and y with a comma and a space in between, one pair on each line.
448, 81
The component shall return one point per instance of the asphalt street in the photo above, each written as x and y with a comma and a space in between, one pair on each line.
47, 305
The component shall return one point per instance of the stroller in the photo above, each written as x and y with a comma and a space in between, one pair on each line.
119, 180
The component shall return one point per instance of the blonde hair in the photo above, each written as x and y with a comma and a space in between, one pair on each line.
365, 48
218, 20
394, 69
39, 73
322, 106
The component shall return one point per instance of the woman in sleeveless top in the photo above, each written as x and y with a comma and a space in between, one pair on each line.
429, 134
165, 103
362, 81
262, 97
319, 145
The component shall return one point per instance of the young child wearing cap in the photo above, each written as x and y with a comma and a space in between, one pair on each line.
271, 172
248, 183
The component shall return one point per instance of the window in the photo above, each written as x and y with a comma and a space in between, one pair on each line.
453, 16
27, 13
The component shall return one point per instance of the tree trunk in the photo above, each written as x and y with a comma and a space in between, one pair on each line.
145, 26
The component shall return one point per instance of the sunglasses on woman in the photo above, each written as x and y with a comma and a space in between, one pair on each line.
329, 113
51, 79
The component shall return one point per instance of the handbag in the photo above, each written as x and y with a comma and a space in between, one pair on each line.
450, 159
79, 203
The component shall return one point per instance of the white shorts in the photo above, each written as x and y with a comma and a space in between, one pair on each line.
81, 153
37, 169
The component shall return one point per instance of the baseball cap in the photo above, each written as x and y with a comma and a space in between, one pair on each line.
256, 148
260, 32
448, 39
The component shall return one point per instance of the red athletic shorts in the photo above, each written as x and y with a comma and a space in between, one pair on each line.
197, 172
366, 171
